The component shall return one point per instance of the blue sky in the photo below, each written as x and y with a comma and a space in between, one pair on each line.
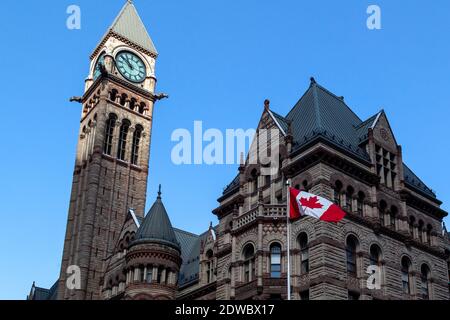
218, 61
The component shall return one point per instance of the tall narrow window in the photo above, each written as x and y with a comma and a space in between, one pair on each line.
428, 234
382, 211
393, 219
420, 229
123, 140
304, 253
159, 275
135, 147
210, 266
141, 274
275, 260
406, 269
349, 199
142, 108
132, 103
254, 175
412, 221
249, 263
351, 246
109, 133
375, 260
337, 193
425, 282
360, 203
375, 255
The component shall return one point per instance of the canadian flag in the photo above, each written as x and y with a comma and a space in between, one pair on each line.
304, 203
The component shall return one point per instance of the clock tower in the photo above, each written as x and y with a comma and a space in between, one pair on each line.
112, 159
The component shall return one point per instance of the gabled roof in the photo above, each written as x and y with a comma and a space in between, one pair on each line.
156, 226
281, 122
321, 114
362, 130
191, 256
38, 293
129, 25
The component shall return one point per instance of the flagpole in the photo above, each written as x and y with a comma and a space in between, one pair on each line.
288, 227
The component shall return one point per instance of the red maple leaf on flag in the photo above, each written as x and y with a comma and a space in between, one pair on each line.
312, 203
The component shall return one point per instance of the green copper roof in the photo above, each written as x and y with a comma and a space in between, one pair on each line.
129, 25
156, 226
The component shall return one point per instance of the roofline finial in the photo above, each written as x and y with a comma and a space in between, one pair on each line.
159, 190
267, 104
313, 81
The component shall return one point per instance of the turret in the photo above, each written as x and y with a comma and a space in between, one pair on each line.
154, 258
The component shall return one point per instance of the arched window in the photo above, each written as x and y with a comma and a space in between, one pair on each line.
132, 103
113, 95
406, 270
304, 253
249, 262
142, 107
393, 217
305, 185
275, 260
351, 246
337, 193
135, 147
375, 255
121, 150
209, 266
360, 203
425, 281
349, 198
123, 99
382, 211
109, 133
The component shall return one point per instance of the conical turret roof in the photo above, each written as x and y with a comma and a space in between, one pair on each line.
156, 226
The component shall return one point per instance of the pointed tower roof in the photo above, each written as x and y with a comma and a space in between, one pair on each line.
129, 26
156, 226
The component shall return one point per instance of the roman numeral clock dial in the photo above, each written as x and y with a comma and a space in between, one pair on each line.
130, 66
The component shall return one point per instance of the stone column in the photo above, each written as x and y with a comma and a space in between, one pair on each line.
145, 274
136, 274
260, 249
155, 274
163, 276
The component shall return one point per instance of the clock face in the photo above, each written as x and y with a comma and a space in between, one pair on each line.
97, 72
131, 66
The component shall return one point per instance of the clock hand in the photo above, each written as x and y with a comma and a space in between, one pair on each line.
129, 64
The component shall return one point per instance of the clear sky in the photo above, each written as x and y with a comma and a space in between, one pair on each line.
218, 61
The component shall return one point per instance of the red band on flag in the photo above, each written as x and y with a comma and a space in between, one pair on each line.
333, 214
294, 212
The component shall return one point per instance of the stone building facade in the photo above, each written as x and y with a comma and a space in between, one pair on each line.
393, 222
